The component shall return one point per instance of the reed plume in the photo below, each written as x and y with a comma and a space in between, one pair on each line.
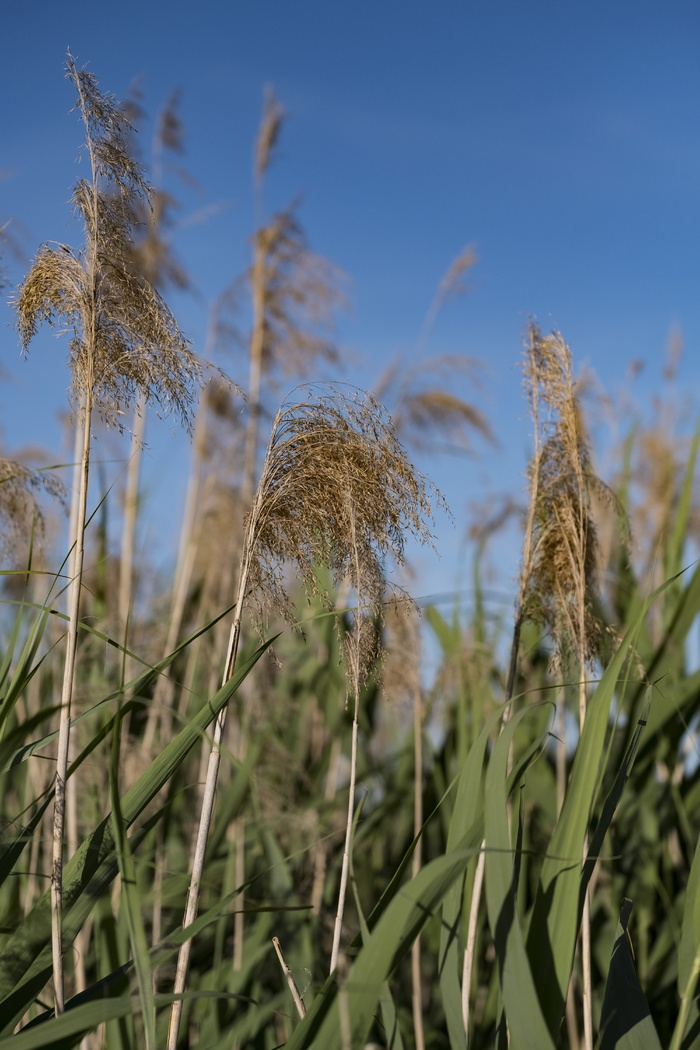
123, 342
20, 511
559, 579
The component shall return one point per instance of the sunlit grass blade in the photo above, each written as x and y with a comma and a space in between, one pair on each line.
392, 1032
614, 796
388, 943
467, 810
556, 917
14, 680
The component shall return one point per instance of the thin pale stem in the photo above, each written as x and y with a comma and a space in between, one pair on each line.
586, 968
162, 697
207, 809
64, 725
416, 991
239, 875
561, 749
470, 950
468, 966
354, 657
131, 500
256, 365
587, 982
183, 959
293, 988
335, 951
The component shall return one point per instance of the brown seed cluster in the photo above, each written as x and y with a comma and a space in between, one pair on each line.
336, 489
124, 339
559, 576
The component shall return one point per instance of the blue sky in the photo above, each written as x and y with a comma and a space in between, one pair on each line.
562, 140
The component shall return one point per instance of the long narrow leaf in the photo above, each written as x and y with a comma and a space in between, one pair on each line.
625, 1021
388, 943
556, 917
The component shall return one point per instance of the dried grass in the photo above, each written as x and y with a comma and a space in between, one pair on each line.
336, 489
559, 583
124, 339
21, 515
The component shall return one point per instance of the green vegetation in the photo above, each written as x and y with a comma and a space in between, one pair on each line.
505, 854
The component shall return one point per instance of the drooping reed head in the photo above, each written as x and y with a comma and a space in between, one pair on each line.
21, 515
301, 291
336, 488
124, 339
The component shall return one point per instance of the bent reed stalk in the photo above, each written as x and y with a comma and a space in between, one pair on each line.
335, 488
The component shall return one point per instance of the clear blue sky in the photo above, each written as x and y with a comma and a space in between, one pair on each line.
561, 139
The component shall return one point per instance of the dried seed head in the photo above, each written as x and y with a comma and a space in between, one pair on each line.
273, 118
336, 488
20, 512
427, 412
301, 292
124, 339
558, 583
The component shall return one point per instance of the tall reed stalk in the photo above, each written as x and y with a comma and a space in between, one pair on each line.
561, 586
124, 341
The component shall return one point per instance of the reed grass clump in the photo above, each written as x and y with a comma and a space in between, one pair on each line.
337, 490
497, 831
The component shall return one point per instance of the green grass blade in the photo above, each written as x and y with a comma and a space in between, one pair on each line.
386, 1002
526, 1023
12, 852
141, 682
556, 916
625, 1020
66, 1031
614, 796
26, 667
130, 900
93, 866
388, 943
689, 951
468, 808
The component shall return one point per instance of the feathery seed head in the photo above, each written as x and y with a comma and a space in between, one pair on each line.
124, 339
273, 118
336, 487
559, 575
19, 509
